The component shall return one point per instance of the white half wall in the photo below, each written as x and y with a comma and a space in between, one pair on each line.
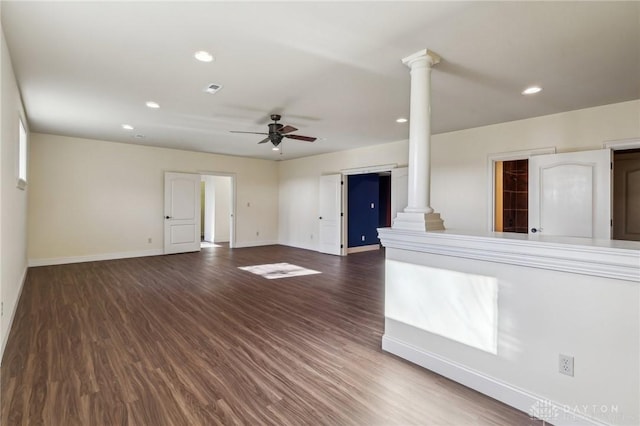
13, 201
554, 296
90, 197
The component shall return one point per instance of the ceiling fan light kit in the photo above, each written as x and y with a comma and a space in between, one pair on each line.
278, 131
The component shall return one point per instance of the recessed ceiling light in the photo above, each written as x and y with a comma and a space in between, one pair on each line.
127, 127
152, 104
203, 56
401, 120
531, 90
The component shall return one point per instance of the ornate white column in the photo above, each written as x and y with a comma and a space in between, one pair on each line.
418, 215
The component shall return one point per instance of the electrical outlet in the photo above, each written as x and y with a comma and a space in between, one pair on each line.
149, 240
312, 236
565, 365
362, 237
257, 233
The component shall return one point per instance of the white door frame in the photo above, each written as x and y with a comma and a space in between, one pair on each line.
619, 145
491, 176
345, 195
232, 207
622, 144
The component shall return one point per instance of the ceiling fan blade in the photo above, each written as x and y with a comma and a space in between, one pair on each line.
301, 138
287, 129
253, 133
265, 140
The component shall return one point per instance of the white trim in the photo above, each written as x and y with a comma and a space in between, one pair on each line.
14, 309
344, 215
520, 155
256, 243
504, 392
601, 258
622, 144
491, 174
298, 245
369, 169
344, 251
94, 257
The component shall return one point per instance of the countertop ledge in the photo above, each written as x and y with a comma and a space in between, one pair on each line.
604, 258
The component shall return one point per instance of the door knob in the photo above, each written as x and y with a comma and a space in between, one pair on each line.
167, 217
534, 230
320, 217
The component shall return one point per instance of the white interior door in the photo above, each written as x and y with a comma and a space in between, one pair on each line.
181, 212
330, 203
399, 190
570, 194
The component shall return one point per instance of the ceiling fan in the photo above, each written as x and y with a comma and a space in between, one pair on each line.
279, 131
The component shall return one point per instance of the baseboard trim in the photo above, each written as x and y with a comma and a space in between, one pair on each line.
94, 257
360, 249
14, 309
503, 392
297, 245
255, 244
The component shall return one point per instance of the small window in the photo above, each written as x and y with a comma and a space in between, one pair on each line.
22, 156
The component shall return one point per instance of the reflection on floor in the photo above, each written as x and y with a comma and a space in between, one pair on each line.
278, 270
207, 244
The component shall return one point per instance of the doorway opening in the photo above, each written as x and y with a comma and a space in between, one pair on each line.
626, 195
368, 208
511, 211
216, 211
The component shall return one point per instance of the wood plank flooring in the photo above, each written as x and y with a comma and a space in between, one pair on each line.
189, 339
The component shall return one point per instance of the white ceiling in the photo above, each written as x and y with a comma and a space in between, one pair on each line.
333, 69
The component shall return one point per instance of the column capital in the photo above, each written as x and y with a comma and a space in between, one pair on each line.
422, 56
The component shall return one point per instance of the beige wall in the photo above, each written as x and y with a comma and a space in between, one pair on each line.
460, 182
103, 198
93, 197
13, 201
299, 186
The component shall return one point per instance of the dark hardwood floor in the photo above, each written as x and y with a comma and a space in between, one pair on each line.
189, 339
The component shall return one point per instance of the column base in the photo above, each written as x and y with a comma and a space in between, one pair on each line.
418, 222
